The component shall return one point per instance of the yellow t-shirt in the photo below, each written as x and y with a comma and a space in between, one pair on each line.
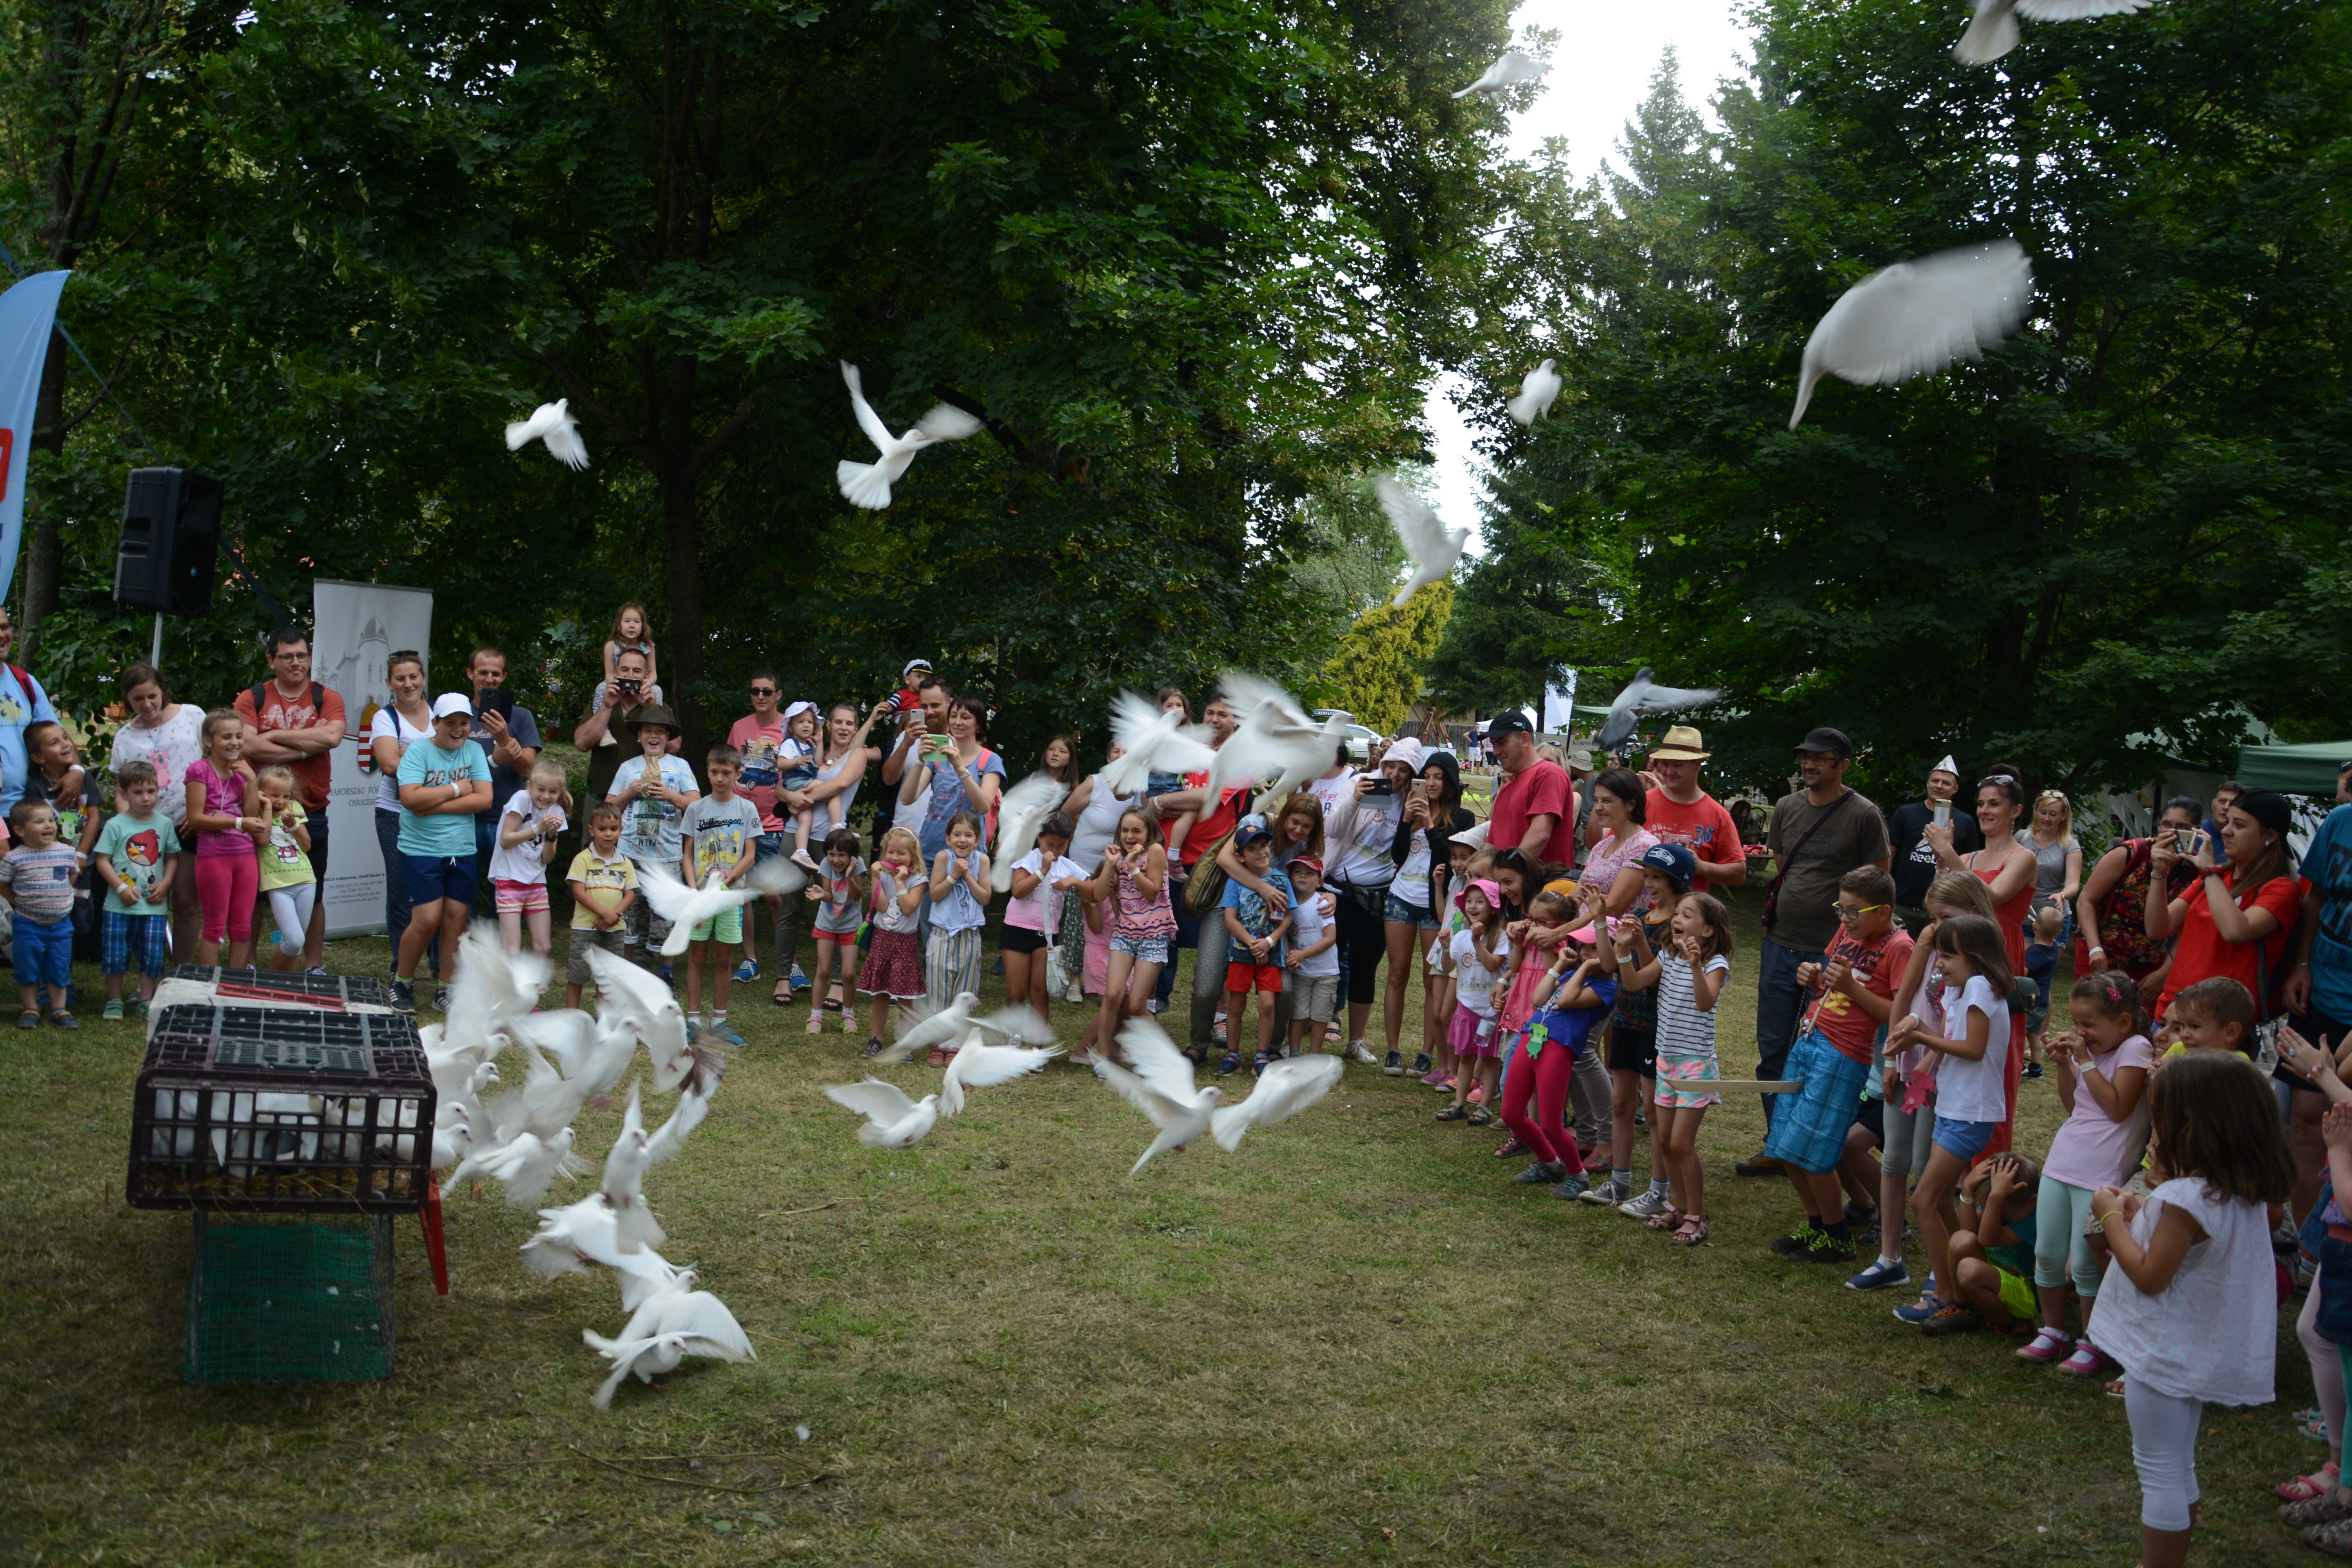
595, 873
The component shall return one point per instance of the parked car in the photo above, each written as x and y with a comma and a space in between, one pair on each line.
1359, 739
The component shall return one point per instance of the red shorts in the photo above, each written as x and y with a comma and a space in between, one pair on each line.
1240, 977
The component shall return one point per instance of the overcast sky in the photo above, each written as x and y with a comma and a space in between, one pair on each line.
1601, 68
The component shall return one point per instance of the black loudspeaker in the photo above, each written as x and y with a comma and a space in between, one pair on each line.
170, 526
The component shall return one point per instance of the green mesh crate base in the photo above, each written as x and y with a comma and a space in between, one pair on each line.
289, 1301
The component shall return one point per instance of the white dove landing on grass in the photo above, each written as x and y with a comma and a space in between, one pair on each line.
1917, 316
1433, 549
868, 484
675, 1307
651, 1358
892, 1120
1538, 389
551, 423
1992, 33
1513, 70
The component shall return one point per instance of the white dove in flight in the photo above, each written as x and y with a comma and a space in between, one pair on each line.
1284, 1089
1537, 391
868, 484
571, 1238
685, 907
1433, 549
1274, 739
633, 1225
979, 1065
1019, 815
646, 1005
651, 1358
892, 1120
1641, 698
1917, 316
936, 1029
675, 1307
1160, 1085
1513, 70
527, 1164
1151, 741
551, 423
1992, 32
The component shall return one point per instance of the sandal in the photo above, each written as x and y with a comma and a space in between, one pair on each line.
816, 1022
1667, 1218
1692, 1232
783, 996
2321, 1509
2319, 1483
1481, 1117
1454, 1113
2335, 1539
1511, 1148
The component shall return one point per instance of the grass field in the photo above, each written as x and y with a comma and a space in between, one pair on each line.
1354, 1340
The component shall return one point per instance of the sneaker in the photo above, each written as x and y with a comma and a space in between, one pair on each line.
441, 999
1920, 1311
2048, 1347
1800, 1241
1433, 1077
1231, 1062
1357, 1051
1607, 1194
724, 1033
804, 860
1644, 1206
113, 1014
1477, 1095
1880, 1275
404, 997
1421, 1066
1538, 1172
1951, 1317
2088, 1360
2031, 1069
1394, 1066
1761, 1165
1828, 1249
1856, 1214
64, 1021
663, 970
1575, 1187
139, 1012
693, 1031
747, 969
29, 1020
798, 978
816, 1022
1217, 1031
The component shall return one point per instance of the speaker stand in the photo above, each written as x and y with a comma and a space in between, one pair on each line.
155, 649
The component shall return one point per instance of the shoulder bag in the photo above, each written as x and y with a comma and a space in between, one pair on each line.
1772, 887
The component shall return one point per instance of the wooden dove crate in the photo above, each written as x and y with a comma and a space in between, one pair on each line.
268, 985
273, 1110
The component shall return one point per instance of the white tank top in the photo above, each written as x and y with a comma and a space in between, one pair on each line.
839, 805
1096, 825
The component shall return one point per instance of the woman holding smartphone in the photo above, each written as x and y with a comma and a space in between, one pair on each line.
1422, 854
960, 774
2234, 921
2110, 916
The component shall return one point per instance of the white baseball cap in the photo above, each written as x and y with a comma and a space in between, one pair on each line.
450, 703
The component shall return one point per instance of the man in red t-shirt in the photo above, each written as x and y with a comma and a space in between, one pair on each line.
297, 723
1679, 812
1537, 798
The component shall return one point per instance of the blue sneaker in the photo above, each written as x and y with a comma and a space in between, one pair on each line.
800, 981
1880, 1275
404, 997
747, 970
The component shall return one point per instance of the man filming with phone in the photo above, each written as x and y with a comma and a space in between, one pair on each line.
610, 712
1915, 858
508, 734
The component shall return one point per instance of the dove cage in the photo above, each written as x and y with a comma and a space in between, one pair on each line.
303, 1300
273, 1110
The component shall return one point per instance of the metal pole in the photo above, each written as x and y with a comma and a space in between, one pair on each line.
155, 649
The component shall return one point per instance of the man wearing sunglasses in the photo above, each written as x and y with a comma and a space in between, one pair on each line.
759, 735
1818, 834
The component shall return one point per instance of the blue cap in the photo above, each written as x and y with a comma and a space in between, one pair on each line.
1672, 859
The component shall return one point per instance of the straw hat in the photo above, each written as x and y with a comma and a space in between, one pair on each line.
1682, 744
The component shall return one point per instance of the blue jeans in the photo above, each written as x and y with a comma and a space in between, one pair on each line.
1780, 1007
1188, 935
396, 889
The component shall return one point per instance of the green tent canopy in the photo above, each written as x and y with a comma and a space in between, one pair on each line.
2293, 770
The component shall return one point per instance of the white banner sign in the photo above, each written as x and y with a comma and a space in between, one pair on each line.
356, 625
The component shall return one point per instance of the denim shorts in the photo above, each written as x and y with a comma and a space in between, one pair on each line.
1404, 914
1142, 949
1966, 1138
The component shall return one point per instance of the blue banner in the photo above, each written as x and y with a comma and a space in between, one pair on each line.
27, 314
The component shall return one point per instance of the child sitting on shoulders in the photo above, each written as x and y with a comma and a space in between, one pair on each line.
1855, 980
631, 634
1992, 1250
2190, 1306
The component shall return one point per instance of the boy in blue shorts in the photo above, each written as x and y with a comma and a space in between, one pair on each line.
1855, 982
138, 855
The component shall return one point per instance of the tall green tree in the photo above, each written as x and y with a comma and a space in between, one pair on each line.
1377, 673
2126, 521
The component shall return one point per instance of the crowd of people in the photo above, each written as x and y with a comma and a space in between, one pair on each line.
1570, 939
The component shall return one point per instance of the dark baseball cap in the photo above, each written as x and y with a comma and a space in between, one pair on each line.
1825, 738
1674, 859
1515, 721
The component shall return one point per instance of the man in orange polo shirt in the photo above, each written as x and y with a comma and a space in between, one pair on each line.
296, 722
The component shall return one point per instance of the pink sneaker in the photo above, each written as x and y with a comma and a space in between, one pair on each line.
2089, 1361
2048, 1346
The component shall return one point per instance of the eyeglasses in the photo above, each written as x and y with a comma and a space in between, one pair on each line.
1849, 913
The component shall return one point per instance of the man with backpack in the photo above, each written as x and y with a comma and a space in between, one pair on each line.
1817, 835
23, 703
297, 722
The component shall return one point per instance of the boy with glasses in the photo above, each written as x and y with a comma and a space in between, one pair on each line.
1855, 981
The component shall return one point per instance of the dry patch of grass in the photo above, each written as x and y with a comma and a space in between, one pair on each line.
1354, 1340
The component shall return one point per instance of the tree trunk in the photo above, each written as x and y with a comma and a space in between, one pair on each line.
682, 669
45, 551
